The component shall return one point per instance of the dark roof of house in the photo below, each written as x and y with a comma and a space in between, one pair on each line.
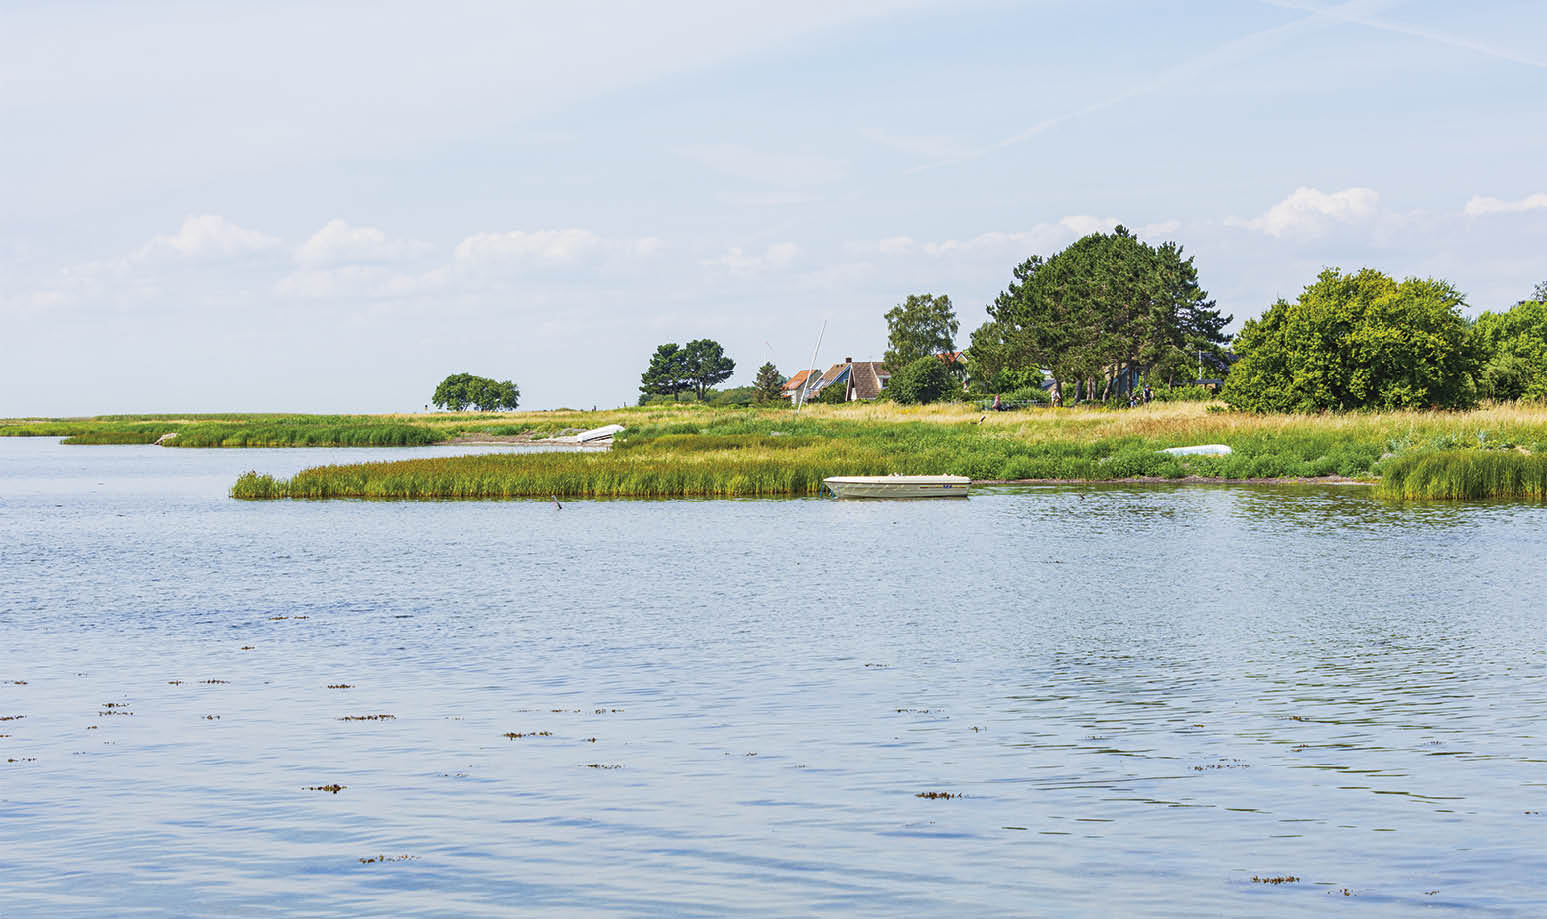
868, 377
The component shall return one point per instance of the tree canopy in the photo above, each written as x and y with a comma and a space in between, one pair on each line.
1355, 341
921, 326
923, 379
1107, 303
667, 373
696, 366
1512, 347
768, 385
705, 365
463, 390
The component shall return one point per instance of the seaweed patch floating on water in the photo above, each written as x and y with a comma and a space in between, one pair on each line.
330, 789
604, 765
15, 682
246, 648
1223, 764
22, 759
215, 682
937, 795
374, 859
12, 717
369, 718
174, 682
341, 686
515, 736
1276, 879
211, 717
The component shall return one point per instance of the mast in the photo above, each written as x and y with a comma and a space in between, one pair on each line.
800, 394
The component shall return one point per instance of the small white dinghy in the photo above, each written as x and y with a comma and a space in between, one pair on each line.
898, 486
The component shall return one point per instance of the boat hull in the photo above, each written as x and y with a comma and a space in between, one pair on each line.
898, 486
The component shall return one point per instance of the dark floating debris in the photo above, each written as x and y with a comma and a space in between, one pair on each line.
387, 858
12, 717
114, 711
283, 618
514, 736
211, 717
174, 682
1223, 764
604, 765
89, 727
22, 759
215, 682
937, 795
331, 789
15, 682
115, 705
590, 740
1276, 879
565, 711
245, 648
603, 711
341, 686
1298, 718
917, 711
369, 718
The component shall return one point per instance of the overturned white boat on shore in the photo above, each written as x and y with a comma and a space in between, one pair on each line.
898, 486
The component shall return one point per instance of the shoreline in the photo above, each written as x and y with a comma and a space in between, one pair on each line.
1189, 480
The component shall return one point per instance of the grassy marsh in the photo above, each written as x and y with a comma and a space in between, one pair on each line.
703, 452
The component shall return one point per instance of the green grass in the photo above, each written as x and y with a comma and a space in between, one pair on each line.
1465, 475
111, 437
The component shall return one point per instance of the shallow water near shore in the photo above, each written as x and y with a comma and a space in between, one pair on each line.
1144, 695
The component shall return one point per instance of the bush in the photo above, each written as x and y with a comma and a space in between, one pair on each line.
1034, 394
1356, 341
922, 381
833, 394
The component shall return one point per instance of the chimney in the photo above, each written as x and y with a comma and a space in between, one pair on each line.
848, 360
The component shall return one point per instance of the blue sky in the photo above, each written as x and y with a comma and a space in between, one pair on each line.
330, 206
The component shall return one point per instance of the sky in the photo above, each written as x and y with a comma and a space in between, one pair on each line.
329, 206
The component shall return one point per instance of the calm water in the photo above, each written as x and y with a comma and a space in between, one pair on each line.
1145, 696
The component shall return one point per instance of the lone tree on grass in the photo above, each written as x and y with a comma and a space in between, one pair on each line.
769, 384
463, 390
696, 366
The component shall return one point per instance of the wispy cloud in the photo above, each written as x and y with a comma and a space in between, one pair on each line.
790, 170
1240, 48
1482, 205
1356, 15
338, 242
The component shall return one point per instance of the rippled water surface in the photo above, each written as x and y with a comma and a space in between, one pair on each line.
1144, 696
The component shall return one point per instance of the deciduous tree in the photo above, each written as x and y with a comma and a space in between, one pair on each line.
1358, 340
463, 390
921, 326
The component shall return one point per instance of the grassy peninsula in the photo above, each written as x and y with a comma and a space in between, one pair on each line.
701, 451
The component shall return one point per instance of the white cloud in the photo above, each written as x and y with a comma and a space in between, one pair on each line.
1042, 237
1481, 205
547, 247
1151, 232
777, 255
208, 236
340, 243
1310, 211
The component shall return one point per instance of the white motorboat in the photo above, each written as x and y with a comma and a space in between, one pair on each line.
898, 486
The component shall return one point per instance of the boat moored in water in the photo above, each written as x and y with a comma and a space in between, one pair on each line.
898, 486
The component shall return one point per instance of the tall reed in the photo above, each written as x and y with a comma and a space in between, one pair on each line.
1465, 475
